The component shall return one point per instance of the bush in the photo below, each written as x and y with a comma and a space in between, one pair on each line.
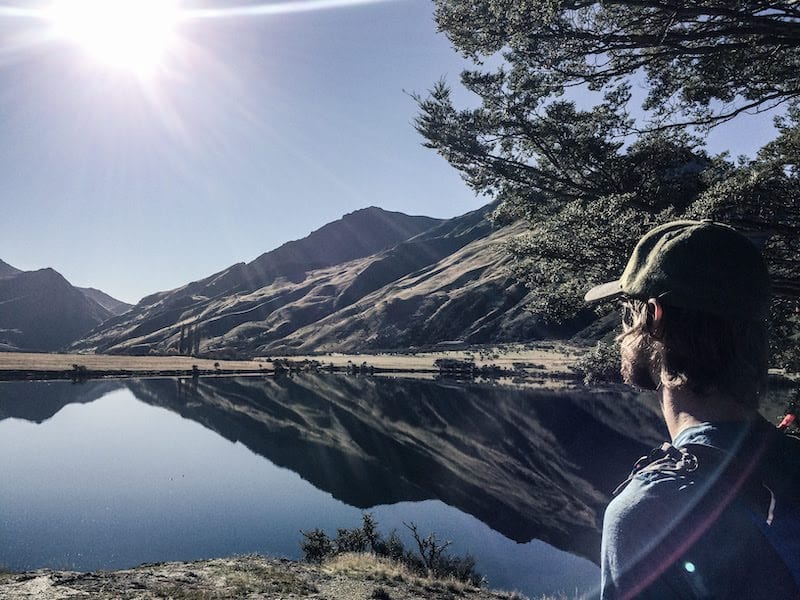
350, 540
600, 364
380, 593
430, 559
391, 548
316, 546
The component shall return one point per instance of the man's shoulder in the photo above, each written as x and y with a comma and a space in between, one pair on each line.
648, 507
685, 517
666, 477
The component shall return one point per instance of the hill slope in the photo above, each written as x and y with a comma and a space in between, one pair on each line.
112, 305
364, 282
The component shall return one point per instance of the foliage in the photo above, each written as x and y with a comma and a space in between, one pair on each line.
590, 181
586, 195
601, 364
431, 549
350, 540
390, 548
430, 560
316, 545
705, 61
380, 593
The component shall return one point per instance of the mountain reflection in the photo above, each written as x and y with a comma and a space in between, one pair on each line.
38, 401
530, 464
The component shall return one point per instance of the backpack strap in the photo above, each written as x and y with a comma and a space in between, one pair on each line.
664, 458
717, 466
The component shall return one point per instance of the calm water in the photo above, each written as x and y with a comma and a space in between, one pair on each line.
109, 475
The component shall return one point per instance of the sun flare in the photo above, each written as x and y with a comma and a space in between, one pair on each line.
126, 34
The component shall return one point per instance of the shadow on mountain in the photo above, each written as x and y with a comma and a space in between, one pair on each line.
530, 464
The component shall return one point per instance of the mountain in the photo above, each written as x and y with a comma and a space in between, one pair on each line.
371, 281
42, 311
7, 270
112, 305
355, 235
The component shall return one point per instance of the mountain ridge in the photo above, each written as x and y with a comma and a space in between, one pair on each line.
318, 249
111, 304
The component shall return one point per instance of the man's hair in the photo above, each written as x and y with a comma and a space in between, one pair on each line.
704, 353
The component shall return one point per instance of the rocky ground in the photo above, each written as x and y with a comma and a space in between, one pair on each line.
347, 577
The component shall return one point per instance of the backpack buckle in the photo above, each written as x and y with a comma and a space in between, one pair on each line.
687, 462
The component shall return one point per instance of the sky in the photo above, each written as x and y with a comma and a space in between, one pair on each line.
261, 122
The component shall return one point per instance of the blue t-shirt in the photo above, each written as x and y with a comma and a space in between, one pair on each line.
668, 534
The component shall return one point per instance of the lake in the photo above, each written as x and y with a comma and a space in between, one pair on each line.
108, 475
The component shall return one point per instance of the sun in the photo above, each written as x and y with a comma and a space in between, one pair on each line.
127, 34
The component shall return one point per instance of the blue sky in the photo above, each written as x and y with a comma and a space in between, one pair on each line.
259, 130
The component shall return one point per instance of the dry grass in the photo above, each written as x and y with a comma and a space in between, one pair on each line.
541, 359
380, 569
356, 564
21, 361
551, 357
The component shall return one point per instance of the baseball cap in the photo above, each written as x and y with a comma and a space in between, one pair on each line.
700, 265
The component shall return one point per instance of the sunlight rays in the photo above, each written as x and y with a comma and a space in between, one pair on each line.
127, 34
138, 35
276, 8
124, 73
250, 10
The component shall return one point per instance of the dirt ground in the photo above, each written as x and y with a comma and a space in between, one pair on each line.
349, 577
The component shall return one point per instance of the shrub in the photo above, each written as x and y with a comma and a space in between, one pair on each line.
369, 526
316, 546
380, 593
350, 540
393, 547
431, 558
600, 364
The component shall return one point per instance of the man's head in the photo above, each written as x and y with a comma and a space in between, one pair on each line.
696, 294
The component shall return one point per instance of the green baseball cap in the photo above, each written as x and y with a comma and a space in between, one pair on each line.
701, 265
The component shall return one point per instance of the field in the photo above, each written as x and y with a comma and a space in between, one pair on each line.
20, 361
544, 358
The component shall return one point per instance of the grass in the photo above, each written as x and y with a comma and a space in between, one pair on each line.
367, 566
538, 359
549, 357
388, 572
20, 361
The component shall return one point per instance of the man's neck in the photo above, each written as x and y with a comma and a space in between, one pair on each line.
682, 409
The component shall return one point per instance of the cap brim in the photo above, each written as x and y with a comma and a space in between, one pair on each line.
605, 291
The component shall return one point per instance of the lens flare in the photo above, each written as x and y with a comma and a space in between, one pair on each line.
129, 34
276, 8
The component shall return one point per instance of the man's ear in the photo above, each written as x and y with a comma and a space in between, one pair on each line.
655, 318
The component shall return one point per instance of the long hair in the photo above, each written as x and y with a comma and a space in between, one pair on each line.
702, 352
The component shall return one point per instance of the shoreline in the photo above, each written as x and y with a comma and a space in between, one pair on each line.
547, 361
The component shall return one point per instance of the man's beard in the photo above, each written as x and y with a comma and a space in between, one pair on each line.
637, 363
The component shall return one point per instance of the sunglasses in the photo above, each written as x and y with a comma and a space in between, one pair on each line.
627, 314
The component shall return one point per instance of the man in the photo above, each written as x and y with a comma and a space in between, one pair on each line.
714, 514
